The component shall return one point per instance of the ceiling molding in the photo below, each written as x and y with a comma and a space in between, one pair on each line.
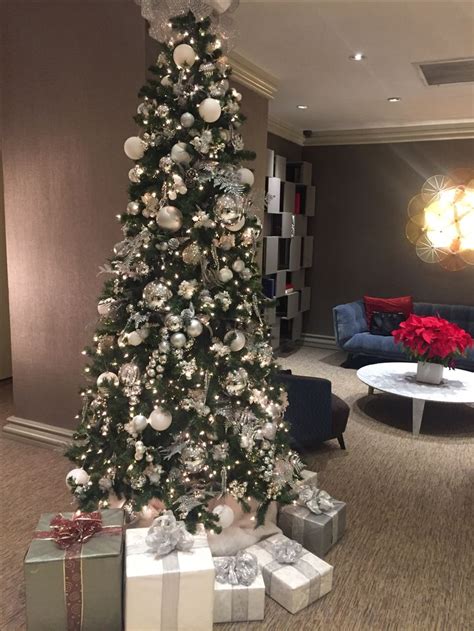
282, 129
252, 76
407, 133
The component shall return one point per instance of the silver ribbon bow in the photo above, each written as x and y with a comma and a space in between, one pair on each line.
166, 534
240, 569
317, 501
287, 551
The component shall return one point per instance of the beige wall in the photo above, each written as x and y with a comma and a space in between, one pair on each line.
73, 69
5, 351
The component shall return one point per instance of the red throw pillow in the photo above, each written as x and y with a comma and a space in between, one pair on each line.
387, 305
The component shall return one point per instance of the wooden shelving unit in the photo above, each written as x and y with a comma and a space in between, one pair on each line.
287, 248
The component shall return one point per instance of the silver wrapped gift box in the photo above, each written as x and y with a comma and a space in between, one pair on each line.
317, 533
239, 603
292, 585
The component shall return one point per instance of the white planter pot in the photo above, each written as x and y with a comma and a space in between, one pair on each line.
429, 373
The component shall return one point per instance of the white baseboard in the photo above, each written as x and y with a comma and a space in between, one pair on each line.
40, 434
320, 341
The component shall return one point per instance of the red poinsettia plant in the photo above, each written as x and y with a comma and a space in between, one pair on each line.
432, 339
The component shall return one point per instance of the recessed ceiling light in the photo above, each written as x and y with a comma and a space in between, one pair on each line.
394, 99
302, 107
357, 57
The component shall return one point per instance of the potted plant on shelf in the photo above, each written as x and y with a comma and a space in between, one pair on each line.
434, 343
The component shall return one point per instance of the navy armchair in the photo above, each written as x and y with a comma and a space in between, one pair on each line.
313, 413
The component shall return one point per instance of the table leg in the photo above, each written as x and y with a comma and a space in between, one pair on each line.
371, 390
418, 407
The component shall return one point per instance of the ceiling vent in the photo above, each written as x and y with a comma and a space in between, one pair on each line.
446, 72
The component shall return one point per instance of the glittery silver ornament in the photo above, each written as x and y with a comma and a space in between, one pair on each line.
193, 458
173, 322
129, 374
191, 254
156, 294
164, 347
187, 120
236, 381
269, 431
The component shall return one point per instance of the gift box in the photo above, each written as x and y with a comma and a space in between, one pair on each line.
293, 585
317, 533
174, 592
239, 602
76, 587
308, 478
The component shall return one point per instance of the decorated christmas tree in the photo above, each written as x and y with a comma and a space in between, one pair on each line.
183, 406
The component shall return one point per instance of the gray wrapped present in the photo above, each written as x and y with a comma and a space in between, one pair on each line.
317, 521
65, 566
239, 590
293, 577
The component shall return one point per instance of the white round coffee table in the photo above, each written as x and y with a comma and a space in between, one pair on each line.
400, 378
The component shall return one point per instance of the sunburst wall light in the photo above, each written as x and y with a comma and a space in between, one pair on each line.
441, 220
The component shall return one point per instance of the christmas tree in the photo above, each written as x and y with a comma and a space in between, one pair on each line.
183, 404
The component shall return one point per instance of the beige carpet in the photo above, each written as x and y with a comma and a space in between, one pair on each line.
406, 561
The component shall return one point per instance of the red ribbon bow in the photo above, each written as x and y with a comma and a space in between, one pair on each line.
79, 529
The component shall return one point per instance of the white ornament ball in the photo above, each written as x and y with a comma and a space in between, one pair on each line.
194, 328
269, 431
187, 120
238, 265
166, 81
134, 338
238, 340
210, 110
225, 274
79, 476
133, 208
246, 176
225, 515
179, 153
246, 273
219, 6
164, 346
140, 422
134, 148
184, 55
105, 306
144, 332
160, 419
106, 380
169, 218
178, 340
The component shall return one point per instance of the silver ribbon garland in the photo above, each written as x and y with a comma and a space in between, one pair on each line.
317, 501
287, 551
167, 534
241, 569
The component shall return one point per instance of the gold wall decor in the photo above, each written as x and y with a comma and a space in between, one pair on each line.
441, 220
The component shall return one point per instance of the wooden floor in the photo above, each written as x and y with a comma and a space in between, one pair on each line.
406, 561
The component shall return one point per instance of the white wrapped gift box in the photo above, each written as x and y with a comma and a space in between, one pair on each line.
308, 478
296, 585
238, 603
169, 593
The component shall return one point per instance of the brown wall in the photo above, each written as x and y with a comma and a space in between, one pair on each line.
282, 147
5, 349
71, 72
362, 192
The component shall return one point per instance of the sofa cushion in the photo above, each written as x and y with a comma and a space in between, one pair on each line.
340, 414
403, 304
373, 344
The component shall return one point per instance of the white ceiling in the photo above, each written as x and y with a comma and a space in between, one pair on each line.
305, 44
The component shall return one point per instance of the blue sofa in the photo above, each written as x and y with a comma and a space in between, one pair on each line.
352, 333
